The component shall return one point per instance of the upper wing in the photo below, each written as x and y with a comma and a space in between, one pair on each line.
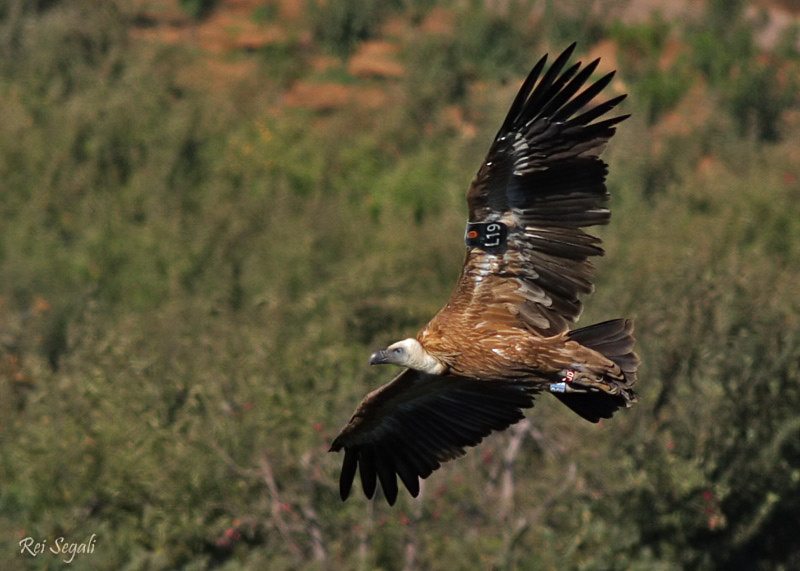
411, 425
542, 181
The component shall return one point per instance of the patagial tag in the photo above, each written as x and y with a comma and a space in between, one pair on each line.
489, 236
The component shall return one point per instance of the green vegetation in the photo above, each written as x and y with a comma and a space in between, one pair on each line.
198, 8
340, 26
192, 276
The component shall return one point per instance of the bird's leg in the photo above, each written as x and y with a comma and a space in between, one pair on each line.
578, 380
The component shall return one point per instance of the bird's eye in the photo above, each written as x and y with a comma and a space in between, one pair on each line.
397, 350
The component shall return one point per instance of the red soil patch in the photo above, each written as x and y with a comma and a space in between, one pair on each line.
376, 59
439, 22
328, 96
230, 26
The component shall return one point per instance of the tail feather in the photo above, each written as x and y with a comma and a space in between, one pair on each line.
592, 406
614, 340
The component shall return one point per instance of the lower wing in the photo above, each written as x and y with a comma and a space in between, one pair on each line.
411, 425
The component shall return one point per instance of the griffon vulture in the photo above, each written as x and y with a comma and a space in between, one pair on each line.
503, 336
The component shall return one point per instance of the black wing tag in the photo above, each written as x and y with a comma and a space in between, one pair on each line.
489, 236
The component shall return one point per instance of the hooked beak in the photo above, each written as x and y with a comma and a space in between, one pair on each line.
379, 357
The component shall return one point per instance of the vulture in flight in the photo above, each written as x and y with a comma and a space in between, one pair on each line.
504, 334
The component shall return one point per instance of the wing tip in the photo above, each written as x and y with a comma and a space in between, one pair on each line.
348, 473
567, 53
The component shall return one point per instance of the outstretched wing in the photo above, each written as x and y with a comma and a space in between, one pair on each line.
411, 425
541, 183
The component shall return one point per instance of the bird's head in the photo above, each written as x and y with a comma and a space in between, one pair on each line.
408, 353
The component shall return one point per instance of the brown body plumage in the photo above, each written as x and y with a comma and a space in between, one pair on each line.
503, 335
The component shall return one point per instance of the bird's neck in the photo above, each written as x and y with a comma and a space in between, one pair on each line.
427, 363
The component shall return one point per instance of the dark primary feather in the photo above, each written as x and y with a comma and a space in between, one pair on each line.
408, 427
544, 179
